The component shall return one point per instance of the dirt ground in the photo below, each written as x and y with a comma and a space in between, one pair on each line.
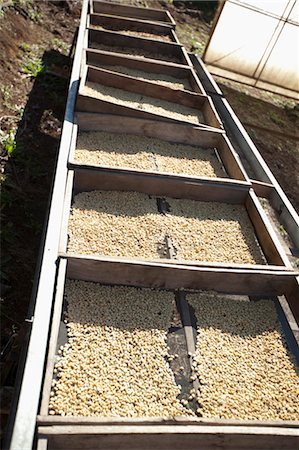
35, 40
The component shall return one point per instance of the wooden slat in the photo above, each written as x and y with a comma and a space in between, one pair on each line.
243, 281
231, 160
187, 420
98, 58
152, 14
172, 132
167, 436
89, 178
262, 189
53, 338
266, 235
292, 296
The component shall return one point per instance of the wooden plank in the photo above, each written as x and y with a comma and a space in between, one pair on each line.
167, 436
118, 23
28, 399
243, 281
42, 443
152, 14
268, 240
172, 132
292, 296
142, 421
113, 38
85, 103
231, 159
66, 209
53, 338
262, 189
89, 178
98, 58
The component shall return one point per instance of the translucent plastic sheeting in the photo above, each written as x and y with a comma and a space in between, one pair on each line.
257, 42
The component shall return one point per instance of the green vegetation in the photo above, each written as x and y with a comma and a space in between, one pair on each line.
32, 63
8, 141
276, 119
60, 45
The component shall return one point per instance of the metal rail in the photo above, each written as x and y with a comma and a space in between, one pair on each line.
27, 407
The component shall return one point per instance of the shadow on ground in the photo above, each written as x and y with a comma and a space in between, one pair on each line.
25, 193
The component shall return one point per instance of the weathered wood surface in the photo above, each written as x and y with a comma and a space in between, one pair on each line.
90, 178
180, 420
262, 189
269, 242
168, 437
172, 132
98, 58
58, 302
292, 296
243, 281
152, 14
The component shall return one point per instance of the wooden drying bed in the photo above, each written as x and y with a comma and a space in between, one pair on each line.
195, 103
277, 278
96, 58
56, 432
112, 41
123, 24
149, 14
169, 132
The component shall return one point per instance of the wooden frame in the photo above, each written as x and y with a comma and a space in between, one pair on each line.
56, 432
160, 437
87, 103
115, 23
171, 133
89, 179
115, 39
150, 14
97, 58
271, 280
